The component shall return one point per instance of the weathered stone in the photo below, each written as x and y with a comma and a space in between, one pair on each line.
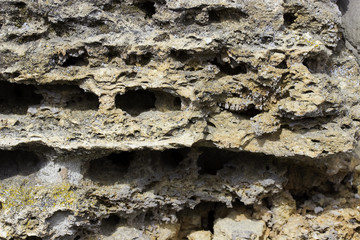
175, 119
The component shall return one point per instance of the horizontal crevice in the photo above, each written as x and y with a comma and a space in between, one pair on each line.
17, 98
135, 102
138, 59
71, 57
69, 96
18, 162
227, 14
148, 7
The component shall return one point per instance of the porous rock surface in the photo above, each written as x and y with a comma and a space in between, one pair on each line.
179, 119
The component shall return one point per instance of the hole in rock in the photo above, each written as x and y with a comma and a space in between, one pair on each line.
180, 55
289, 18
201, 218
229, 14
343, 5
250, 112
16, 98
18, 162
212, 160
138, 59
209, 224
232, 68
282, 65
173, 157
148, 7
33, 238
72, 57
302, 179
316, 64
188, 17
110, 224
84, 101
110, 169
69, 96
135, 102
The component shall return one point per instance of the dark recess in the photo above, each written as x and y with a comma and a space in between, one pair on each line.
282, 65
219, 15
289, 18
80, 60
72, 57
148, 7
84, 101
316, 64
110, 169
16, 98
209, 223
70, 96
232, 68
250, 112
212, 160
135, 102
18, 162
138, 59
173, 157
180, 55
109, 225
343, 6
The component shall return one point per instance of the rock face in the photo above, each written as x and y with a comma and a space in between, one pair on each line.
178, 119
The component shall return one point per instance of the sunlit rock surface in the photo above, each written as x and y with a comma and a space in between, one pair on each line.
178, 119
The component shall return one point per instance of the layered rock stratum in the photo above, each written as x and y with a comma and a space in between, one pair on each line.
179, 119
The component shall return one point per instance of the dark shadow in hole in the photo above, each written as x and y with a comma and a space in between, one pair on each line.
173, 157
148, 7
138, 59
33, 238
200, 218
343, 5
229, 14
18, 162
16, 98
211, 160
209, 224
232, 68
180, 55
84, 101
69, 96
289, 18
110, 224
80, 60
250, 112
188, 17
72, 57
135, 102
61, 28
317, 63
20, 4
282, 65
110, 169
112, 52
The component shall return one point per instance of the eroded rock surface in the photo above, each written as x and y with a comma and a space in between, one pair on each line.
177, 119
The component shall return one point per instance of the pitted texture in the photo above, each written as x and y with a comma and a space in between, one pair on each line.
152, 118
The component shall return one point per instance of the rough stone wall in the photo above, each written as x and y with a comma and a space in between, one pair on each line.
179, 119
